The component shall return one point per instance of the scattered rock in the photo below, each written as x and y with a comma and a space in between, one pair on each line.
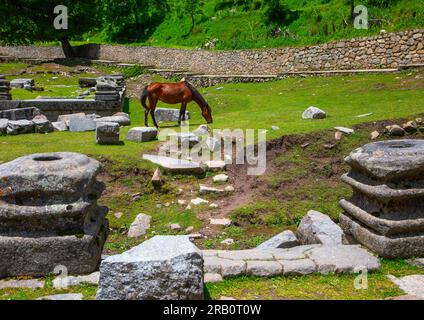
121, 120
139, 226
19, 127
208, 190
345, 130
374, 135
64, 296
220, 222
275, 128
189, 229
411, 285
304, 145
31, 284
229, 189
175, 165
338, 135
329, 146
410, 127
182, 202
314, 113
228, 242
64, 282
198, 201
118, 215
142, 134
195, 236
318, 228
364, 115
171, 268
395, 130
81, 124
3, 126
212, 278
175, 227
157, 178
169, 115
215, 165
286, 239
220, 178
107, 133
213, 205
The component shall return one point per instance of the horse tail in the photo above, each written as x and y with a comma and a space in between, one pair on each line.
144, 97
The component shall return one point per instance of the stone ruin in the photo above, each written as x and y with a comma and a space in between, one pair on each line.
49, 215
4, 89
386, 211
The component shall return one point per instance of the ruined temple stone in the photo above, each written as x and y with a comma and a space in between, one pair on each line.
385, 212
107, 133
3, 126
314, 113
121, 120
142, 134
81, 124
220, 178
316, 227
199, 201
212, 144
395, 130
20, 127
67, 117
162, 268
139, 226
49, 215
344, 130
263, 268
298, 267
20, 113
168, 115
59, 126
285, 239
374, 135
175, 165
42, 125
20, 83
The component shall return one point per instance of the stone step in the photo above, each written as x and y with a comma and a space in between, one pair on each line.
298, 260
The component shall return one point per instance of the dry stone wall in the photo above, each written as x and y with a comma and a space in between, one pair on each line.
388, 50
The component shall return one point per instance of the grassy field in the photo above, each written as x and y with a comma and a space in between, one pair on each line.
298, 179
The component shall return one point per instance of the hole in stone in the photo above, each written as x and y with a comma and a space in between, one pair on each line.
401, 145
47, 158
69, 207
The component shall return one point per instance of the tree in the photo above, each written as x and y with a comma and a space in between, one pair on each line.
29, 21
132, 19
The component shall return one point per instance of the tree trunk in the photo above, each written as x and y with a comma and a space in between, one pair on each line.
67, 48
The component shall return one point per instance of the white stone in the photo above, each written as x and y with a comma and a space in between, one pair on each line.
213, 206
30, 283
229, 189
81, 124
212, 278
314, 113
175, 227
285, 239
228, 241
411, 285
64, 296
182, 202
121, 120
202, 130
162, 268
175, 165
139, 226
69, 281
220, 222
198, 201
142, 134
344, 130
220, 178
318, 228
168, 115
59, 126
207, 190
275, 128
215, 165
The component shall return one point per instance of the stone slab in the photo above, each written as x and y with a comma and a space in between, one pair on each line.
285, 239
142, 134
175, 165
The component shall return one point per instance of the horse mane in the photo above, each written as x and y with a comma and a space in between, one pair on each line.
196, 94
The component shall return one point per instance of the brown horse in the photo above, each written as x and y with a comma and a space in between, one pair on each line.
173, 93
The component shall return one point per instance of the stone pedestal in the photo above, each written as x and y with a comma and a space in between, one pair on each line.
386, 211
49, 215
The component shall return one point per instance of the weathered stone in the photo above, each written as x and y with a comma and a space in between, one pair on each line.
31, 284
338, 135
395, 130
263, 268
298, 267
59, 126
64, 296
164, 267
225, 267
215, 165
42, 125
316, 227
252, 254
49, 214
342, 259
212, 278
20, 83
344, 130
169, 115
69, 281
175, 165
3, 126
208, 190
107, 133
175, 227
410, 127
229, 189
374, 135
228, 241
20, 127
121, 120
142, 134
314, 113
286, 239
81, 124
220, 178
220, 222
67, 117
411, 285
419, 262
157, 178
198, 201
139, 226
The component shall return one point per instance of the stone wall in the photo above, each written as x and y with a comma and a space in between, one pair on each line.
389, 50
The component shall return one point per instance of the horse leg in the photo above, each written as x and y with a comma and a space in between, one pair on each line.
182, 113
152, 107
146, 118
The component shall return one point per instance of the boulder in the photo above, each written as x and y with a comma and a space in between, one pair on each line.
20, 113
3, 126
139, 226
285, 239
142, 134
168, 115
107, 133
42, 125
314, 113
121, 120
59, 126
19, 127
318, 228
162, 268
395, 131
81, 124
